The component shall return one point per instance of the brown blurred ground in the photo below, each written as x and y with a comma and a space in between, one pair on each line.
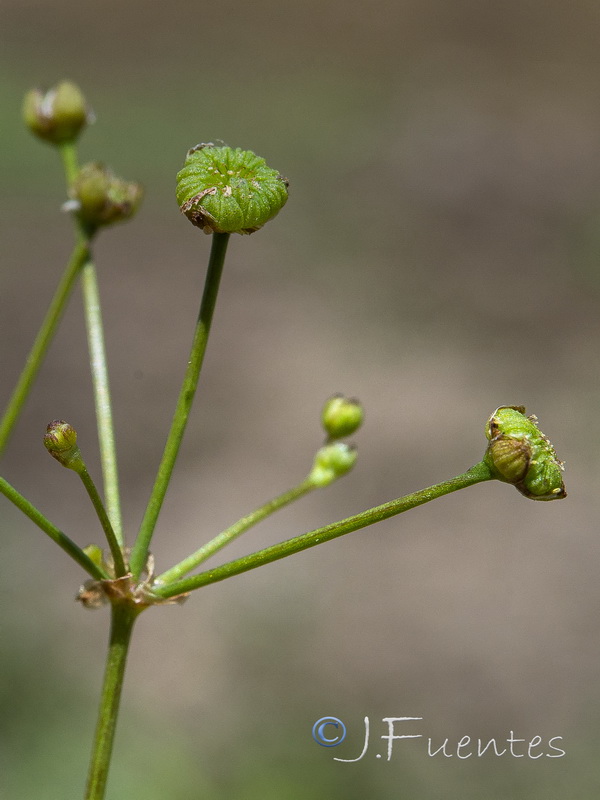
438, 257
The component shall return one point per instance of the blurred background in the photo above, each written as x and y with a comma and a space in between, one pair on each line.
438, 257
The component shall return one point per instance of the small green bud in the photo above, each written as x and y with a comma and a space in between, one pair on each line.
57, 115
341, 416
100, 198
519, 453
60, 440
223, 190
95, 554
331, 462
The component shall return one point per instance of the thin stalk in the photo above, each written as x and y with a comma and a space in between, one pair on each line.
68, 154
61, 539
111, 538
476, 474
184, 404
104, 417
235, 530
122, 621
97, 351
46, 333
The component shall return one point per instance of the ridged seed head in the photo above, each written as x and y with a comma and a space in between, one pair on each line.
519, 453
226, 190
100, 198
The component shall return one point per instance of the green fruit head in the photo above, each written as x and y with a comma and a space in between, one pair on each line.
58, 115
331, 462
226, 190
341, 416
519, 453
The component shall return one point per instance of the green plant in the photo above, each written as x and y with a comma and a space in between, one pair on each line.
222, 191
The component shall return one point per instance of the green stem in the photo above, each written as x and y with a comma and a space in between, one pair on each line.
122, 621
68, 153
231, 533
186, 397
78, 258
97, 351
123, 617
104, 418
113, 543
61, 539
476, 474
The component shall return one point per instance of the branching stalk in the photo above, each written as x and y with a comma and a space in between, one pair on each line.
46, 333
98, 364
184, 403
111, 538
235, 530
480, 472
61, 539
104, 417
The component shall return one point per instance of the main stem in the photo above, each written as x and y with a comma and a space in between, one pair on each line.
184, 404
122, 621
480, 472
42, 341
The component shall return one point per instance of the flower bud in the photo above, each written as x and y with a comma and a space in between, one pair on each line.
223, 190
519, 453
60, 440
341, 416
95, 554
331, 462
57, 115
100, 198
